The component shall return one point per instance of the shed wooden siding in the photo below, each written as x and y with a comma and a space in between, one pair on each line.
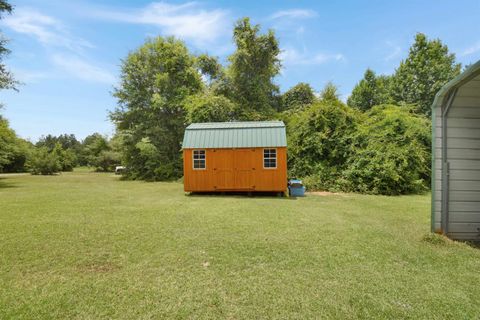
463, 155
235, 169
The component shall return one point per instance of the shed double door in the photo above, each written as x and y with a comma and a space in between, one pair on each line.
234, 169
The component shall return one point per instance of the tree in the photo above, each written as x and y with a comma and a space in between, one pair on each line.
206, 107
370, 91
252, 68
44, 162
210, 67
69, 141
299, 96
7, 143
6, 78
156, 79
107, 160
66, 157
329, 94
69, 149
92, 146
427, 68
13, 150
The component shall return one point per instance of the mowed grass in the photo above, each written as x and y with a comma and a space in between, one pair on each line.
88, 246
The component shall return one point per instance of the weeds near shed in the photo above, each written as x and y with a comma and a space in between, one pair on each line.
435, 239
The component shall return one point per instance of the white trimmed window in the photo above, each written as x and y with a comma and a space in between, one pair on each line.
199, 160
269, 158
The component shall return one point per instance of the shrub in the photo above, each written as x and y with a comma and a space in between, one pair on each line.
320, 141
106, 161
66, 157
390, 154
383, 151
43, 162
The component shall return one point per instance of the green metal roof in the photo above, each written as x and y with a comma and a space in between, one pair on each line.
249, 134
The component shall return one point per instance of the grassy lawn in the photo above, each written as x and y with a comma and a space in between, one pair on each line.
86, 246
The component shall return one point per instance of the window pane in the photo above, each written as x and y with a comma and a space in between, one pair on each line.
199, 164
270, 163
269, 158
198, 154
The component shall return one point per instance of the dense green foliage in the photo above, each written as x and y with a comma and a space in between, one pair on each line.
427, 68
56, 153
383, 151
207, 107
210, 67
387, 148
298, 97
319, 141
65, 146
370, 91
13, 150
252, 68
391, 153
419, 77
44, 162
161, 91
156, 79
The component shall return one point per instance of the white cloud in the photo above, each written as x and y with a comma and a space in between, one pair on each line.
293, 14
472, 49
186, 21
294, 57
54, 35
29, 76
81, 69
395, 51
45, 29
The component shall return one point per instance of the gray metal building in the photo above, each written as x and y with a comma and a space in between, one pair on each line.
456, 157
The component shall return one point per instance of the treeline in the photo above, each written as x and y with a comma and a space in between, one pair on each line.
377, 142
52, 154
380, 141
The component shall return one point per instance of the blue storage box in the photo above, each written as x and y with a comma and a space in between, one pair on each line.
296, 188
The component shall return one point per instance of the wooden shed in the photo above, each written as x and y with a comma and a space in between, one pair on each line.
235, 156
456, 157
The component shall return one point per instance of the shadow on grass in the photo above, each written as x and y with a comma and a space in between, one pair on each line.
474, 244
6, 184
441, 240
250, 195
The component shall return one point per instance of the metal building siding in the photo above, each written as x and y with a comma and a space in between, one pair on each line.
463, 155
235, 135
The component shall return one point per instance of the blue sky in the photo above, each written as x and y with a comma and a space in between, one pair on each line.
67, 53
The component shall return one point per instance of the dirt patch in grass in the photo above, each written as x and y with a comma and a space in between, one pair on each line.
322, 193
